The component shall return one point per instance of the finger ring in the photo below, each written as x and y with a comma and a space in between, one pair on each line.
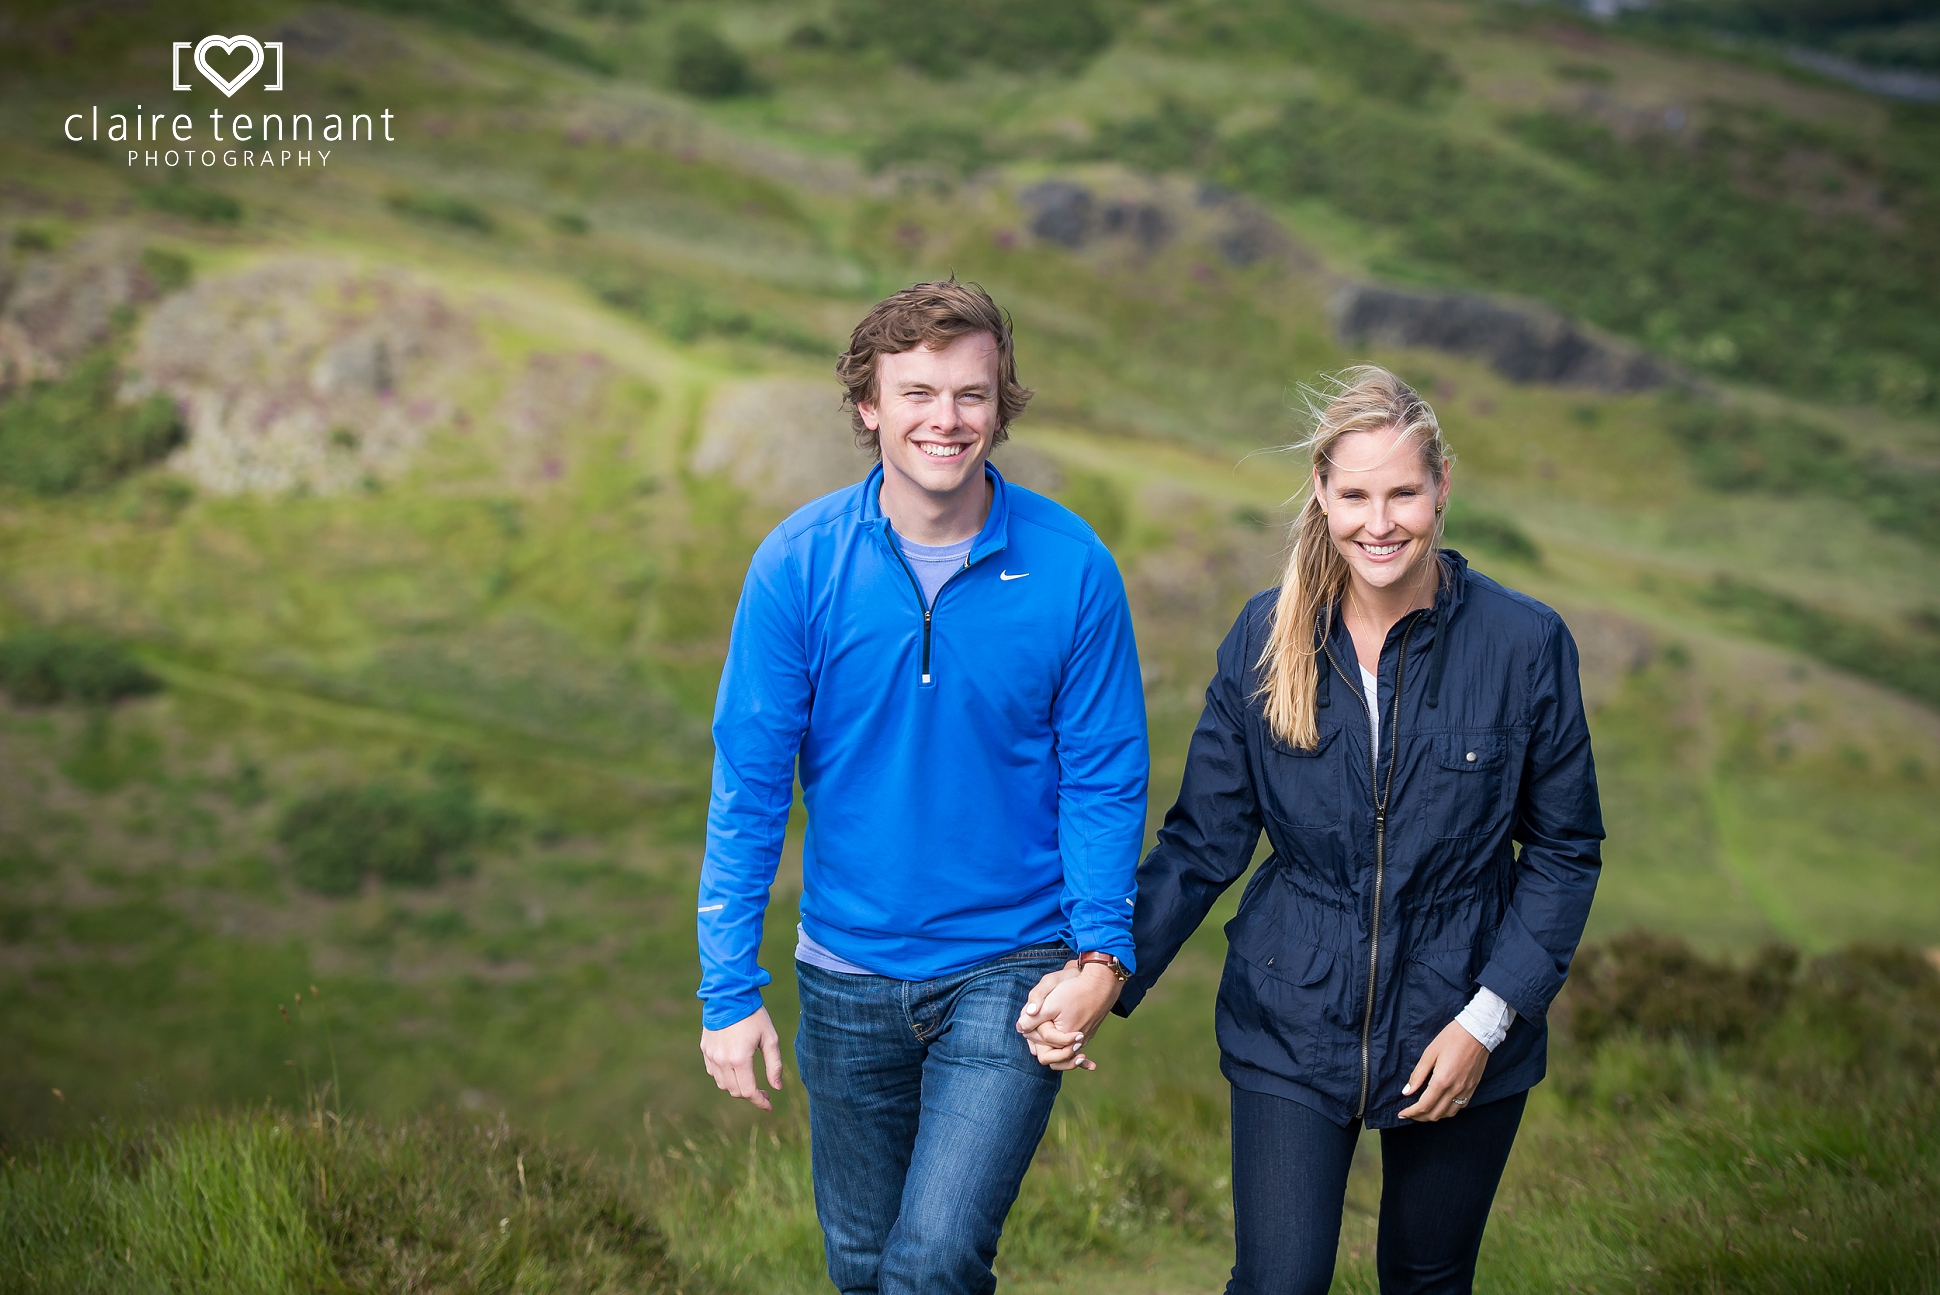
1461, 1101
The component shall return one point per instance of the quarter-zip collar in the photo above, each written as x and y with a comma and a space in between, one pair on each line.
991, 539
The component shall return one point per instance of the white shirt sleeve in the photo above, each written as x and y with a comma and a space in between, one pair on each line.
1487, 1017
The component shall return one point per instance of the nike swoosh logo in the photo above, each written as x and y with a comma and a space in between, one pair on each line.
1005, 575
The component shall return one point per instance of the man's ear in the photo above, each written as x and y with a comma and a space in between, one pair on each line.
871, 419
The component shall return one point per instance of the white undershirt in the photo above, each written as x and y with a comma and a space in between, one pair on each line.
1487, 1016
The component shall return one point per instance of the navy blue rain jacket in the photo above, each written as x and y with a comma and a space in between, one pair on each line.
1365, 933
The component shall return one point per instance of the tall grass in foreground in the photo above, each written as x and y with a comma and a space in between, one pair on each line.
264, 1202
1769, 1127
1706, 1128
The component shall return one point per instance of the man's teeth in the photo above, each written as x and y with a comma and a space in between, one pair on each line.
941, 451
1382, 550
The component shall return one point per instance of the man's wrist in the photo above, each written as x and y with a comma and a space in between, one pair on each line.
1109, 961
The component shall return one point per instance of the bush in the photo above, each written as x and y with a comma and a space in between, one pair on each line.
497, 20
1175, 138
1734, 449
958, 149
1099, 500
74, 433
1467, 526
182, 198
40, 667
1661, 988
265, 1203
1909, 662
336, 837
686, 315
1381, 61
941, 38
444, 208
706, 66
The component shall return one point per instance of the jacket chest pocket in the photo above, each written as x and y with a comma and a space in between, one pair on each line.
1469, 777
1303, 788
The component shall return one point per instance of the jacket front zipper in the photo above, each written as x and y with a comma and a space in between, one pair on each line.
929, 608
1380, 796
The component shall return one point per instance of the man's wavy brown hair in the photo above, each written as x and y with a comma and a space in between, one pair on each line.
930, 315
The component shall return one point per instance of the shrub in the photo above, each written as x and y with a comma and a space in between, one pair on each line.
444, 208
959, 149
40, 667
940, 39
1099, 500
1467, 526
335, 837
1909, 662
706, 66
1660, 987
497, 20
75, 433
192, 201
1174, 138
1734, 449
166, 271
1381, 61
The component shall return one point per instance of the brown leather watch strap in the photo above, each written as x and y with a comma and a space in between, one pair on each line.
1107, 960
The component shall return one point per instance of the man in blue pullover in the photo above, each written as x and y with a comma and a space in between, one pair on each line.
947, 662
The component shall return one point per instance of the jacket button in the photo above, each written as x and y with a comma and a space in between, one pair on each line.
1470, 757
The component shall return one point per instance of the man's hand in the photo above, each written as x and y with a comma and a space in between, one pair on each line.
1452, 1065
729, 1053
1064, 1011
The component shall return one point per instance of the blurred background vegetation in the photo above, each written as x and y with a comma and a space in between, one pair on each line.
369, 534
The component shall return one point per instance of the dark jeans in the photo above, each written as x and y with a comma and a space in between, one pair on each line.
924, 1109
1290, 1178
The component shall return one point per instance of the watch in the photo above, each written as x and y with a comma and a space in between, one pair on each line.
1106, 960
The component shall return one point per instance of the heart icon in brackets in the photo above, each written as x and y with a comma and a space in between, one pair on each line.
229, 45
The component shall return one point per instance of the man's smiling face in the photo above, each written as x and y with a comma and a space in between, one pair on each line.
935, 414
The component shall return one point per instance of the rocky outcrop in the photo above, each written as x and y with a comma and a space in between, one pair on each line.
1525, 343
1150, 214
783, 440
304, 373
57, 306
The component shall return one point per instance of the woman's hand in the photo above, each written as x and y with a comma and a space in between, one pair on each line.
1065, 1010
1452, 1067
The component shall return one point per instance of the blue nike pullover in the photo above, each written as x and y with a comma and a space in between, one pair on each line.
974, 772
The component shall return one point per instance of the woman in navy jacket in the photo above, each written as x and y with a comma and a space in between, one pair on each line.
1410, 736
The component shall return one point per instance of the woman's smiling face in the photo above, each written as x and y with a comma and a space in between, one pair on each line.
1381, 503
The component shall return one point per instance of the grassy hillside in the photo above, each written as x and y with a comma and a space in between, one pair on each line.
421, 484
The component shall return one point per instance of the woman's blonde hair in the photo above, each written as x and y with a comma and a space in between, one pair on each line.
1365, 398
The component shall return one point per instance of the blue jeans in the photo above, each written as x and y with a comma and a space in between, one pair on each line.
924, 1109
1290, 1176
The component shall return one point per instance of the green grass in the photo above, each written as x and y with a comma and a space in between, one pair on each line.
263, 1202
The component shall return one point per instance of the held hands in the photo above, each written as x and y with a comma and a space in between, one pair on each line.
1452, 1067
729, 1053
1064, 1011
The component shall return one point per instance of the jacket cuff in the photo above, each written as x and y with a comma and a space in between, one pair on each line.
1116, 943
719, 1013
